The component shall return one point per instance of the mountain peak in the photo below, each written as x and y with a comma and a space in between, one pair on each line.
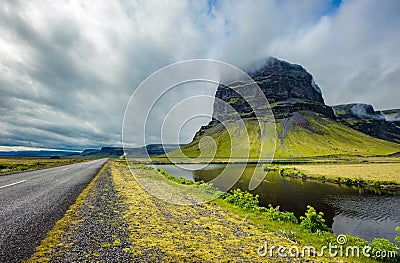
287, 79
288, 87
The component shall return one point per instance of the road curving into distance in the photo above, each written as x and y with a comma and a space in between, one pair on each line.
32, 202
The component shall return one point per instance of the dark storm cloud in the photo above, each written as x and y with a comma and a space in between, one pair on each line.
67, 69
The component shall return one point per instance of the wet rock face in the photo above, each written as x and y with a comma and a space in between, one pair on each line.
280, 80
288, 87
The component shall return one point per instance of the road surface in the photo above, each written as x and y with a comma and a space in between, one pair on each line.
31, 203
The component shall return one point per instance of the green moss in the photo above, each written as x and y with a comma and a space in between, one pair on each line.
117, 243
105, 245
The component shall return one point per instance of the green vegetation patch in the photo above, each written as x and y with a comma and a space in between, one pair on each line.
310, 231
316, 136
380, 175
13, 165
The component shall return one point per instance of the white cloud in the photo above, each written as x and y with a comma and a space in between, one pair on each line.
67, 68
352, 53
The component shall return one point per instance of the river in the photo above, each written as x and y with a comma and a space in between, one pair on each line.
348, 210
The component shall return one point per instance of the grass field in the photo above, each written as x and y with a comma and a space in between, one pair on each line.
365, 171
12, 165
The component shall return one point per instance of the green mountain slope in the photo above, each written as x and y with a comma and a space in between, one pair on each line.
305, 125
305, 134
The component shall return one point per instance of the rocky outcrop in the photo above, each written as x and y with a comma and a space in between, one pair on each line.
364, 118
281, 80
288, 87
392, 115
357, 111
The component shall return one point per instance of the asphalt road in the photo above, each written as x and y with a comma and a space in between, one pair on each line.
31, 203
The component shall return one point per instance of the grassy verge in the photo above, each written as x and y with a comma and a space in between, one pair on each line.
14, 165
383, 175
302, 237
163, 231
285, 225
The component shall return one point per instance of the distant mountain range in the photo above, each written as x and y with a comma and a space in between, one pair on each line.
144, 151
39, 153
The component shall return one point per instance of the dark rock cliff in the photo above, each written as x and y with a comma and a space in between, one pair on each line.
288, 87
392, 115
364, 118
291, 91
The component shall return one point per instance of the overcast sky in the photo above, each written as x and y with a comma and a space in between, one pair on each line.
68, 68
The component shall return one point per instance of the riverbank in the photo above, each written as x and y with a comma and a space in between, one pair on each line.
285, 225
275, 161
377, 175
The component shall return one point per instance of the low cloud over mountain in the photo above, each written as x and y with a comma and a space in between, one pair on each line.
67, 69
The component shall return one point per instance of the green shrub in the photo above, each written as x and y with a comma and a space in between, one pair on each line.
275, 215
117, 243
140, 166
398, 237
178, 180
355, 241
243, 199
384, 246
359, 181
313, 221
266, 167
207, 188
291, 235
347, 181
376, 183
247, 200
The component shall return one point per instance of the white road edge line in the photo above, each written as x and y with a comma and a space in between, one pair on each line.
12, 184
